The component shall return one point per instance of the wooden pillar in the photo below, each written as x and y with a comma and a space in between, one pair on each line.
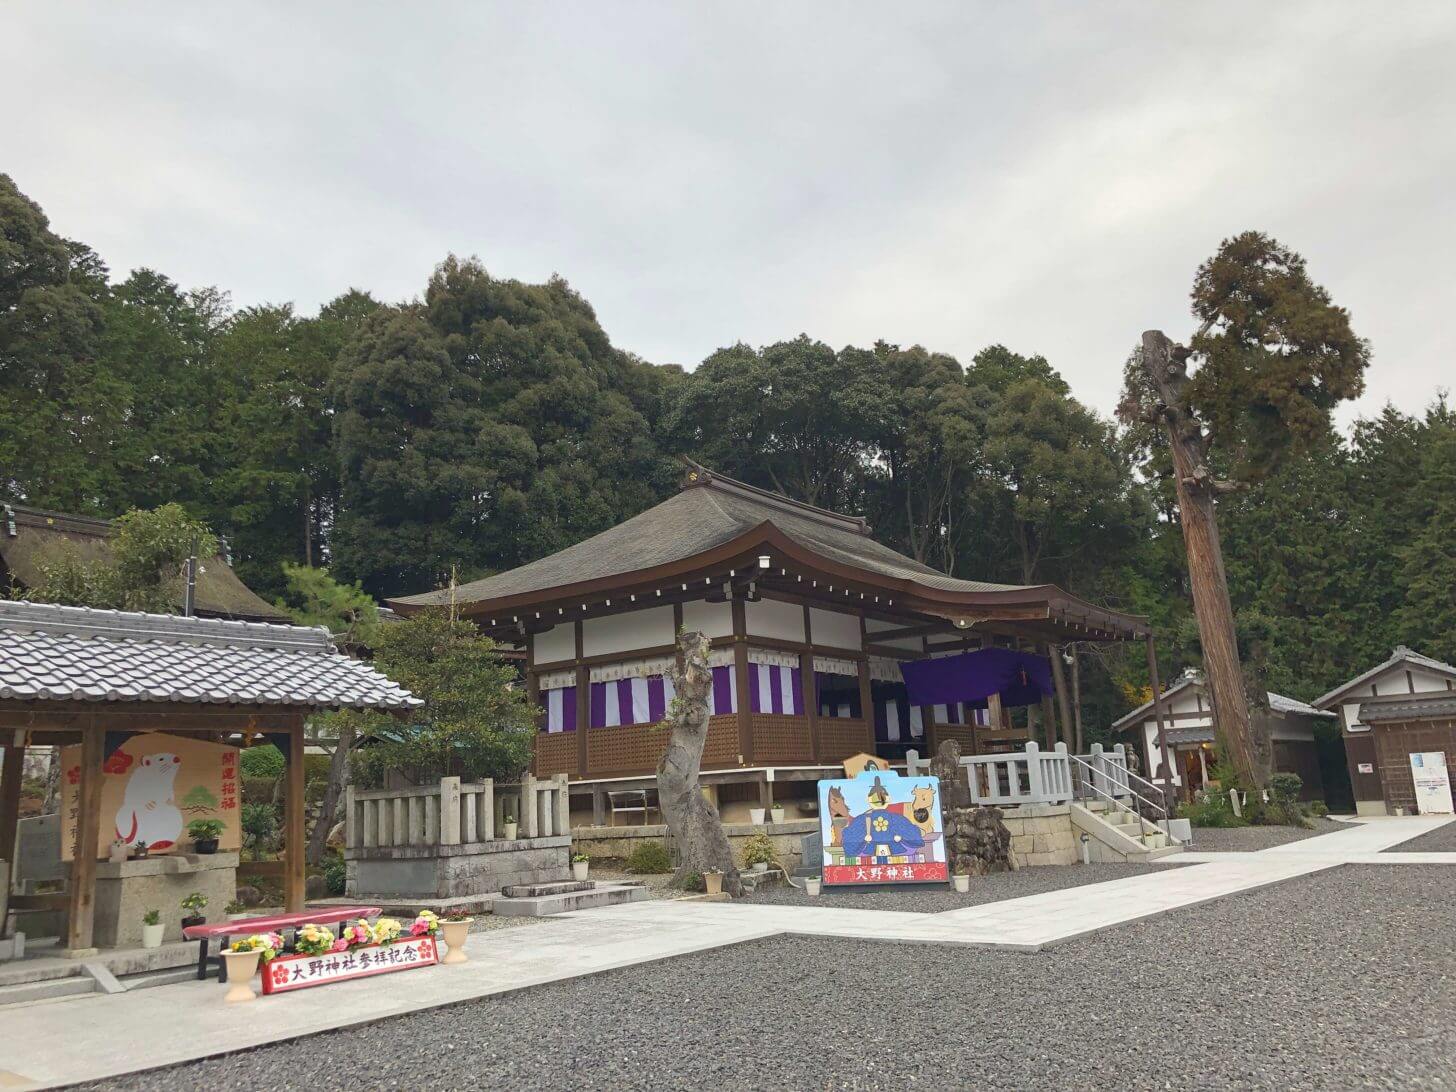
740, 681
927, 712
1152, 649
583, 700
994, 713
14, 758
293, 817
808, 685
866, 692
81, 920
1049, 722
533, 694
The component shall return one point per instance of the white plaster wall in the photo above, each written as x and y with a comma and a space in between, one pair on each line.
628, 632
555, 644
834, 629
776, 619
1426, 681
875, 625
709, 619
1152, 754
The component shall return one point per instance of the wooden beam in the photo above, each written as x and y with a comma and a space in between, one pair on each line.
81, 919
583, 700
14, 758
866, 695
809, 687
293, 873
740, 672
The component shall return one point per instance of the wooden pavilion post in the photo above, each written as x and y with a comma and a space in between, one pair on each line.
81, 919
10, 774
740, 681
809, 686
583, 699
1152, 648
294, 867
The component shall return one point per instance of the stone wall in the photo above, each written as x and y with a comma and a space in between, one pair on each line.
125, 891
1041, 834
618, 842
456, 871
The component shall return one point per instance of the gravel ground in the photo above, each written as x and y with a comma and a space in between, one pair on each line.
1252, 839
1440, 840
1339, 980
936, 898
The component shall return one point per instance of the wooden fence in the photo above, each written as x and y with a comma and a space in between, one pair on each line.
453, 813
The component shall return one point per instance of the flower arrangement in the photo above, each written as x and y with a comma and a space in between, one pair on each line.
313, 939
268, 944
456, 914
386, 931
426, 924
356, 934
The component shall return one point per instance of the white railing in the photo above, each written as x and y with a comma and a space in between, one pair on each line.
453, 813
1029, 776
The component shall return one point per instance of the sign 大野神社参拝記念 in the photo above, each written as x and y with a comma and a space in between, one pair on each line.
882, 828
299, 972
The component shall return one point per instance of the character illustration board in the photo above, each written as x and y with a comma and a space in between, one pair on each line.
882, 828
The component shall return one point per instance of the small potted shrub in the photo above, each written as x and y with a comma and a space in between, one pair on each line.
205, 834
194, 905
776, 813
759, 853
242, 958
508, 827
580, 862
138, 851
455, 927
152, 929
713, 882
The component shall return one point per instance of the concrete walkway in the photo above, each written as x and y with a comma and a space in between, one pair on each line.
98, 1036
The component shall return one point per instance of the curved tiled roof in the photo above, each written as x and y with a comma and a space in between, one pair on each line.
56, 653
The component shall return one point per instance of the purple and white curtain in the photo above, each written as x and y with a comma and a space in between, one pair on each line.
773, 688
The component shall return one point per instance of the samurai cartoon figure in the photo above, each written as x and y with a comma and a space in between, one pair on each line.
881, 835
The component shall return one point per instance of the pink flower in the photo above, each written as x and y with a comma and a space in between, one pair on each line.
419, 928
340, 945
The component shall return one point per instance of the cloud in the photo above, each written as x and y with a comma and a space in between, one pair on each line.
1044, 175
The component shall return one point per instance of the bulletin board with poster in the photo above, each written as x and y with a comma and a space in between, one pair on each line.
153, 785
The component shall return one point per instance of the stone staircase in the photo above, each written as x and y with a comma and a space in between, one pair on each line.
1118, 834
43, 977
543, 899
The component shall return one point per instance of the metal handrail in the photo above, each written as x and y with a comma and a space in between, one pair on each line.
1092, 784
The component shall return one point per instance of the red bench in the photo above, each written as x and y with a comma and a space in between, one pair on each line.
323, 915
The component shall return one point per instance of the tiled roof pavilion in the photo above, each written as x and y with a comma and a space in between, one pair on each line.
52, 653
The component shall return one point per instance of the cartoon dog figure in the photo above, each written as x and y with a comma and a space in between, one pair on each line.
148, 813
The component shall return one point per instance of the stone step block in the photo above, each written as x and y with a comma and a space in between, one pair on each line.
29, 993
536, 890
546, 905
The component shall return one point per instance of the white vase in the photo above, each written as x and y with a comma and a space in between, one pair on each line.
756, 816
152, 935
241, 966
455, 934
813, 886
509, 831
759, 866
578, 869
119, 853
778, 815
962, 884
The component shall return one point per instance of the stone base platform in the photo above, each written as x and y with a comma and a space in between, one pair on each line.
455, 871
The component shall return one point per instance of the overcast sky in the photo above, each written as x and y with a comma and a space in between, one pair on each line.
1045, 176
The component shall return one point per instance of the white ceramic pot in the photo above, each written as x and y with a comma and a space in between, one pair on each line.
778, 815
713, 883
241, 966
813, 886
119, 853
509, 831
962, 884
756, 816
152, 935
759, 866
455, 934
578, 869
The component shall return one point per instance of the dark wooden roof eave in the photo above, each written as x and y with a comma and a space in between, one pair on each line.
1068, 617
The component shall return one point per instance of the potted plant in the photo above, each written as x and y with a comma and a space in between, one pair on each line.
205, 834
138, 850
119, 851
455, 926
777, 812
152, 929
756, 816
313, 939
580, 862
242, 958
962, 881
508, 827
759, 853
236, 911
194, 905
713, 882
813, 885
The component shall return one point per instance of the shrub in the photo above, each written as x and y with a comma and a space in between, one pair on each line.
649, 858
265, 761
759, 849
1318, 808
260, 828
205, 830
1285, 787
1284, 806
334, 874
1212, 812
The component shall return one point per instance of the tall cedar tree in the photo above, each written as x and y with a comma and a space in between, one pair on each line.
1271, 358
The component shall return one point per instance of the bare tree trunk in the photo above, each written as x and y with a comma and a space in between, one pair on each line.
1250, 753
338, 778
1064, 703
693, 823
1078, 736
